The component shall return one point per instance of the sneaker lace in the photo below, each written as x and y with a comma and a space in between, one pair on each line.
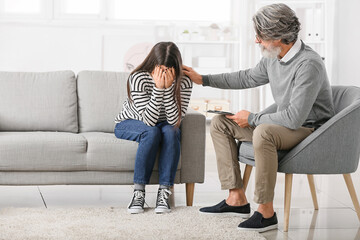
138, 198
163, 197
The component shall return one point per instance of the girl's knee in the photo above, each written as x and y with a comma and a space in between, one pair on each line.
170, 131
152, 132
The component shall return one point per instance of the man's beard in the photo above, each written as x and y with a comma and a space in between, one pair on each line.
270, 52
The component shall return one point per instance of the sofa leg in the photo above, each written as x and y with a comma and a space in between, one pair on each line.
350, 186
189, 193
313, 191
246, 176
288, 186
172, 197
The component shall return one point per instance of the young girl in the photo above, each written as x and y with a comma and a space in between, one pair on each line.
158, 96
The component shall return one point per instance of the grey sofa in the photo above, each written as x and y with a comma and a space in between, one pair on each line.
334, 148
56, 128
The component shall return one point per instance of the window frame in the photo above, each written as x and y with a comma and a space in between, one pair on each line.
59, 12
45, 8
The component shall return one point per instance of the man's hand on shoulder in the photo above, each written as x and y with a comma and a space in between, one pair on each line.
241, 118
194, 76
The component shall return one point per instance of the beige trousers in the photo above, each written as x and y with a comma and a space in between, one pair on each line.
266, 139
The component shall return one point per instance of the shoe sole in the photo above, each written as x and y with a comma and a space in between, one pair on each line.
242, 215
162, 210
260, 230
135, 210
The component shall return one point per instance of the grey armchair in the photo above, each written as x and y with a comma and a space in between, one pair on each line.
334, 148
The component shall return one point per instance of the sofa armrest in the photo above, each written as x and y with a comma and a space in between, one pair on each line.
193, 148
332, 149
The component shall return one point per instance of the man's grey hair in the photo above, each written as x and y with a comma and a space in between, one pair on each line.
276, 21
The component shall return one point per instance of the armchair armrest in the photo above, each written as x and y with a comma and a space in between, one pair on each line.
334, 148
193, 148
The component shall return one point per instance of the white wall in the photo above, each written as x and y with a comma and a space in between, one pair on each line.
347, 43
45, 47
48, 46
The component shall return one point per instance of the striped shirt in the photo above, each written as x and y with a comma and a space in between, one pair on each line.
151, 104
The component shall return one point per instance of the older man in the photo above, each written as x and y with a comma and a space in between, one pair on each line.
302, 93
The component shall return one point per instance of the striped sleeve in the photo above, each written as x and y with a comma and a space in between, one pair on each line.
171, 109
146, 105
186, 90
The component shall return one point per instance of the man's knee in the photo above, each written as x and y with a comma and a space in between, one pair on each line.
263, 133
217, 122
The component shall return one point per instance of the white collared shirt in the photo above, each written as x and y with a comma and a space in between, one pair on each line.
292, 52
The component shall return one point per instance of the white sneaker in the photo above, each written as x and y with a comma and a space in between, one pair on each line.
137, 202
162, 201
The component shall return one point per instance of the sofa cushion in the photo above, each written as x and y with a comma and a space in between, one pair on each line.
38, 101
105, 152
101, 96
42, 151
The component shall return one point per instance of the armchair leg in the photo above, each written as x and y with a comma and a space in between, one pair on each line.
189, 193
288, 186
350, 186
313, 191
246, 176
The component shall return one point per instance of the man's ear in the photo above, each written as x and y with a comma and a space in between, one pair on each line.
277, 41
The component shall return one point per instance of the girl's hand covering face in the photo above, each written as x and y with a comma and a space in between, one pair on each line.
163, 76
159, 77
169, 77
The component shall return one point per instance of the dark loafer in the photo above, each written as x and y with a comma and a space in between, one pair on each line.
224, 208
258, 223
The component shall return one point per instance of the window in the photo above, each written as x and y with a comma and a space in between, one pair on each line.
81, 6
23, 9
22, 6
214, 11
185, 10
78, 9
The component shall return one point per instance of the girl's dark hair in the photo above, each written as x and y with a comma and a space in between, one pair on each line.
167, 54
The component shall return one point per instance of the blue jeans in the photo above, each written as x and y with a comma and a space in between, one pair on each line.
150, 139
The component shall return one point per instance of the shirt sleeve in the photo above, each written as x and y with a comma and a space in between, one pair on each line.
147, 105
305, 90
243, 79
171, 109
